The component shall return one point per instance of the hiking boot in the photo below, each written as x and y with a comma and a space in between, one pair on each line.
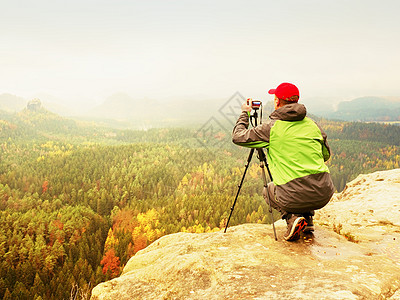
310, 224
295, 225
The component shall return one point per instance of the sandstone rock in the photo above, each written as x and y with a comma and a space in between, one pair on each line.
247, 263
368, 209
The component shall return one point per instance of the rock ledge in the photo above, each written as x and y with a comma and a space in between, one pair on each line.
247, 263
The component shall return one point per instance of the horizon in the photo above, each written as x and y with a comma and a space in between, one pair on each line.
81, 53
123, 112
77, 108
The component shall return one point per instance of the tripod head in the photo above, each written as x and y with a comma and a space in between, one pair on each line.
255, 105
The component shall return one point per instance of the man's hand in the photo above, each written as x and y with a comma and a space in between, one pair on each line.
245, 107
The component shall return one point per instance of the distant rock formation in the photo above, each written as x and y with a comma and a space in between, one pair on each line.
353, 254
34, 105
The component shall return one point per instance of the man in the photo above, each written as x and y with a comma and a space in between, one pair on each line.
297, 151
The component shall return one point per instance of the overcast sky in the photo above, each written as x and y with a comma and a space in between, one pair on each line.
87, 50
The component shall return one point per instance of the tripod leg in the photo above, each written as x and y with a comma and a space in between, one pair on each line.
239, 187
263, 162
270, 211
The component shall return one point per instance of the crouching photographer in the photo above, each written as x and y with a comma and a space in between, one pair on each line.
297, 149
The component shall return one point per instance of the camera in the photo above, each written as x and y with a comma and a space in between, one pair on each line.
254, 104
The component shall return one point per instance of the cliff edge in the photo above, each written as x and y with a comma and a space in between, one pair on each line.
353, 254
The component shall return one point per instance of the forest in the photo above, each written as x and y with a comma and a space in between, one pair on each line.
78, 200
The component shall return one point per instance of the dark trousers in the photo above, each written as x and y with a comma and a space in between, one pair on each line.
274, 202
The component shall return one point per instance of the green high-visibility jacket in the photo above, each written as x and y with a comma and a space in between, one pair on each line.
297, 151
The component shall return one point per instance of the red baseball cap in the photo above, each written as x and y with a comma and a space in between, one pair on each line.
286, 91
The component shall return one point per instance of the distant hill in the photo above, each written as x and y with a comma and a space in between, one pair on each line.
121, 106
320, 105
138, 112
11, 103
39, 124
366, 109
58, 106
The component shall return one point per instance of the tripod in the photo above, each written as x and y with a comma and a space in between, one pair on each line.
263, 163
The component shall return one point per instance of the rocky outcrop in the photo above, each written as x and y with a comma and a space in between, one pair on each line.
353, 254
34, 105
368, 208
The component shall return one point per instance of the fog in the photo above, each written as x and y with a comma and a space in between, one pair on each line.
75, 56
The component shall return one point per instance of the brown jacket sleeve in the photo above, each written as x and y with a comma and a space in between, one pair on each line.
256, 137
